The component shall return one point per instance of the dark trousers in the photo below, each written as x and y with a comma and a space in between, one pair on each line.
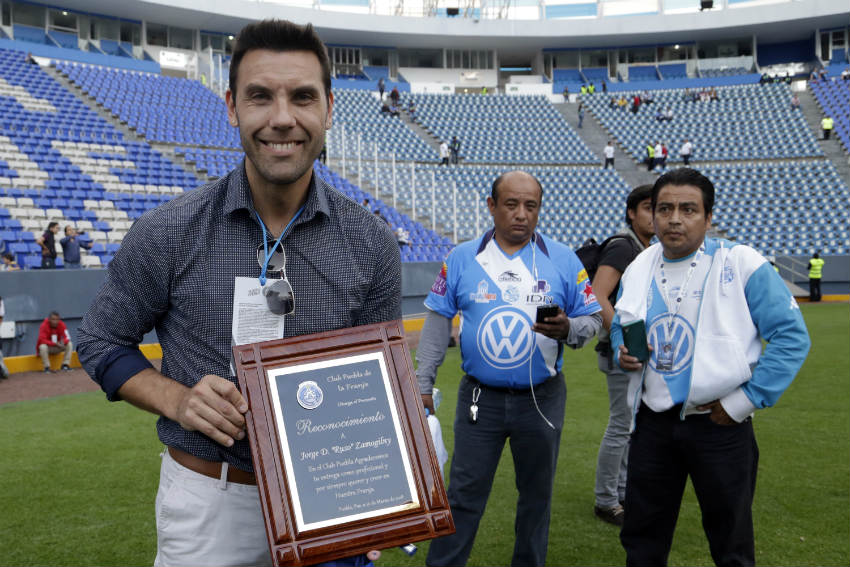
609, 161
48, 263
686, 158
722, 461
826, 134
814, 289
503, 416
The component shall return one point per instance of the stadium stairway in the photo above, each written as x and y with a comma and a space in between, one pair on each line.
596, 137
420, 131
831, 148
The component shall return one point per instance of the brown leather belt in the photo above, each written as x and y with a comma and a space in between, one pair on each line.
210, 468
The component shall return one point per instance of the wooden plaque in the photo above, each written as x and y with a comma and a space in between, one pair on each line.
341, 449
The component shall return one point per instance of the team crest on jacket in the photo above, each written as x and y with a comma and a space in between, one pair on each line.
588, 294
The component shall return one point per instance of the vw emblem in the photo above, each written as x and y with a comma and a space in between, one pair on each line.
681, 336
309, 395
505, 338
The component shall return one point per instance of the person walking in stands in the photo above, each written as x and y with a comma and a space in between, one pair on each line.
444, 153
395, 96
513, 388
609, 154
686, 151
48, 245
701, 307
650, 156
827, 124
614, 257
454, 146
815, 274
270, 241
580, 114
381, 88
53, 338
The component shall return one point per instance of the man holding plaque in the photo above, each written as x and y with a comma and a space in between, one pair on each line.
267, 251
522, 297
698, 309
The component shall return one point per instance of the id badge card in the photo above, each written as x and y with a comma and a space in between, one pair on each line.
252, 320
664, 361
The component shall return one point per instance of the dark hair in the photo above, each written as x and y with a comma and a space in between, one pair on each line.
52, 313
686, 176
279, 35
9, 256
494, 190
51, 224
635, 198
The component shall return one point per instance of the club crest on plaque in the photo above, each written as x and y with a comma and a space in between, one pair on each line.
309, 395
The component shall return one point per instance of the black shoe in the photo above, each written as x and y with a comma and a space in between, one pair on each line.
613, 515
47, 370
66, 368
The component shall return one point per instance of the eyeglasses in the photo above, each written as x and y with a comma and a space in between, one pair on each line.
280, 298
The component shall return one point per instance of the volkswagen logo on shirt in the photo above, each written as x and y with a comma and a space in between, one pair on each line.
681, 338
505, 338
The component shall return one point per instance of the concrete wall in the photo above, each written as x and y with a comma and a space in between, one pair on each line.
30, 295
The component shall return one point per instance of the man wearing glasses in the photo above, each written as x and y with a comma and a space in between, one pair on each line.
271, 244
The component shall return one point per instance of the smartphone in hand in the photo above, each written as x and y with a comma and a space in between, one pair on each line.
634, 337
544, 311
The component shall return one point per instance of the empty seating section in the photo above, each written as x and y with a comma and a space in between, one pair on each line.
643, 73
374, 72
357, 114
782, 208
724, 72
502, 128
673, 71
64, 39
834, 100
569, 78
747, 122
161, 109
215, 162
596, 75
60, 161
579, 202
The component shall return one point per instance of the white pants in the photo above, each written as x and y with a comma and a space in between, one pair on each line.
205, 521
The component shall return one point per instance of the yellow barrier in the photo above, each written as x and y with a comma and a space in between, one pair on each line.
32, 363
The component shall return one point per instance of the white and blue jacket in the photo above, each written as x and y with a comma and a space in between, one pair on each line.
743, 301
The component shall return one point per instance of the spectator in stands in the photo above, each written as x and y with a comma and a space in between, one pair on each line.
687, 96
411, 108
614, 257
9, 263
566, 93
650, 157
604, 87
365, 205
622, 102
635, 104
658, 150
813, 76
580, 114
795, 102
827, 124
659, 115
71, 247
344, 267
647, 97
323, 154
378, 214
395, 96
712, 94
48, 245
668, 114
395, 110
609, 154
664, 154
53, 338
4, 372
444, 153
845, 74
686, 151
30, 59
381, 88
815, 274
787, 78
402, 236
454, 146
823, 74
613, 102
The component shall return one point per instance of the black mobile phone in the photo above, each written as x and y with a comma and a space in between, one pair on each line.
634, 337
544, 311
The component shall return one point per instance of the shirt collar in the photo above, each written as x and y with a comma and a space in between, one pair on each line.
238, 194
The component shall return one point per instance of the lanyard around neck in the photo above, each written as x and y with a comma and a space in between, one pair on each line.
683, 289
268, 255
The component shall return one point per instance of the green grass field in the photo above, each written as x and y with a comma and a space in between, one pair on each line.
79, 475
